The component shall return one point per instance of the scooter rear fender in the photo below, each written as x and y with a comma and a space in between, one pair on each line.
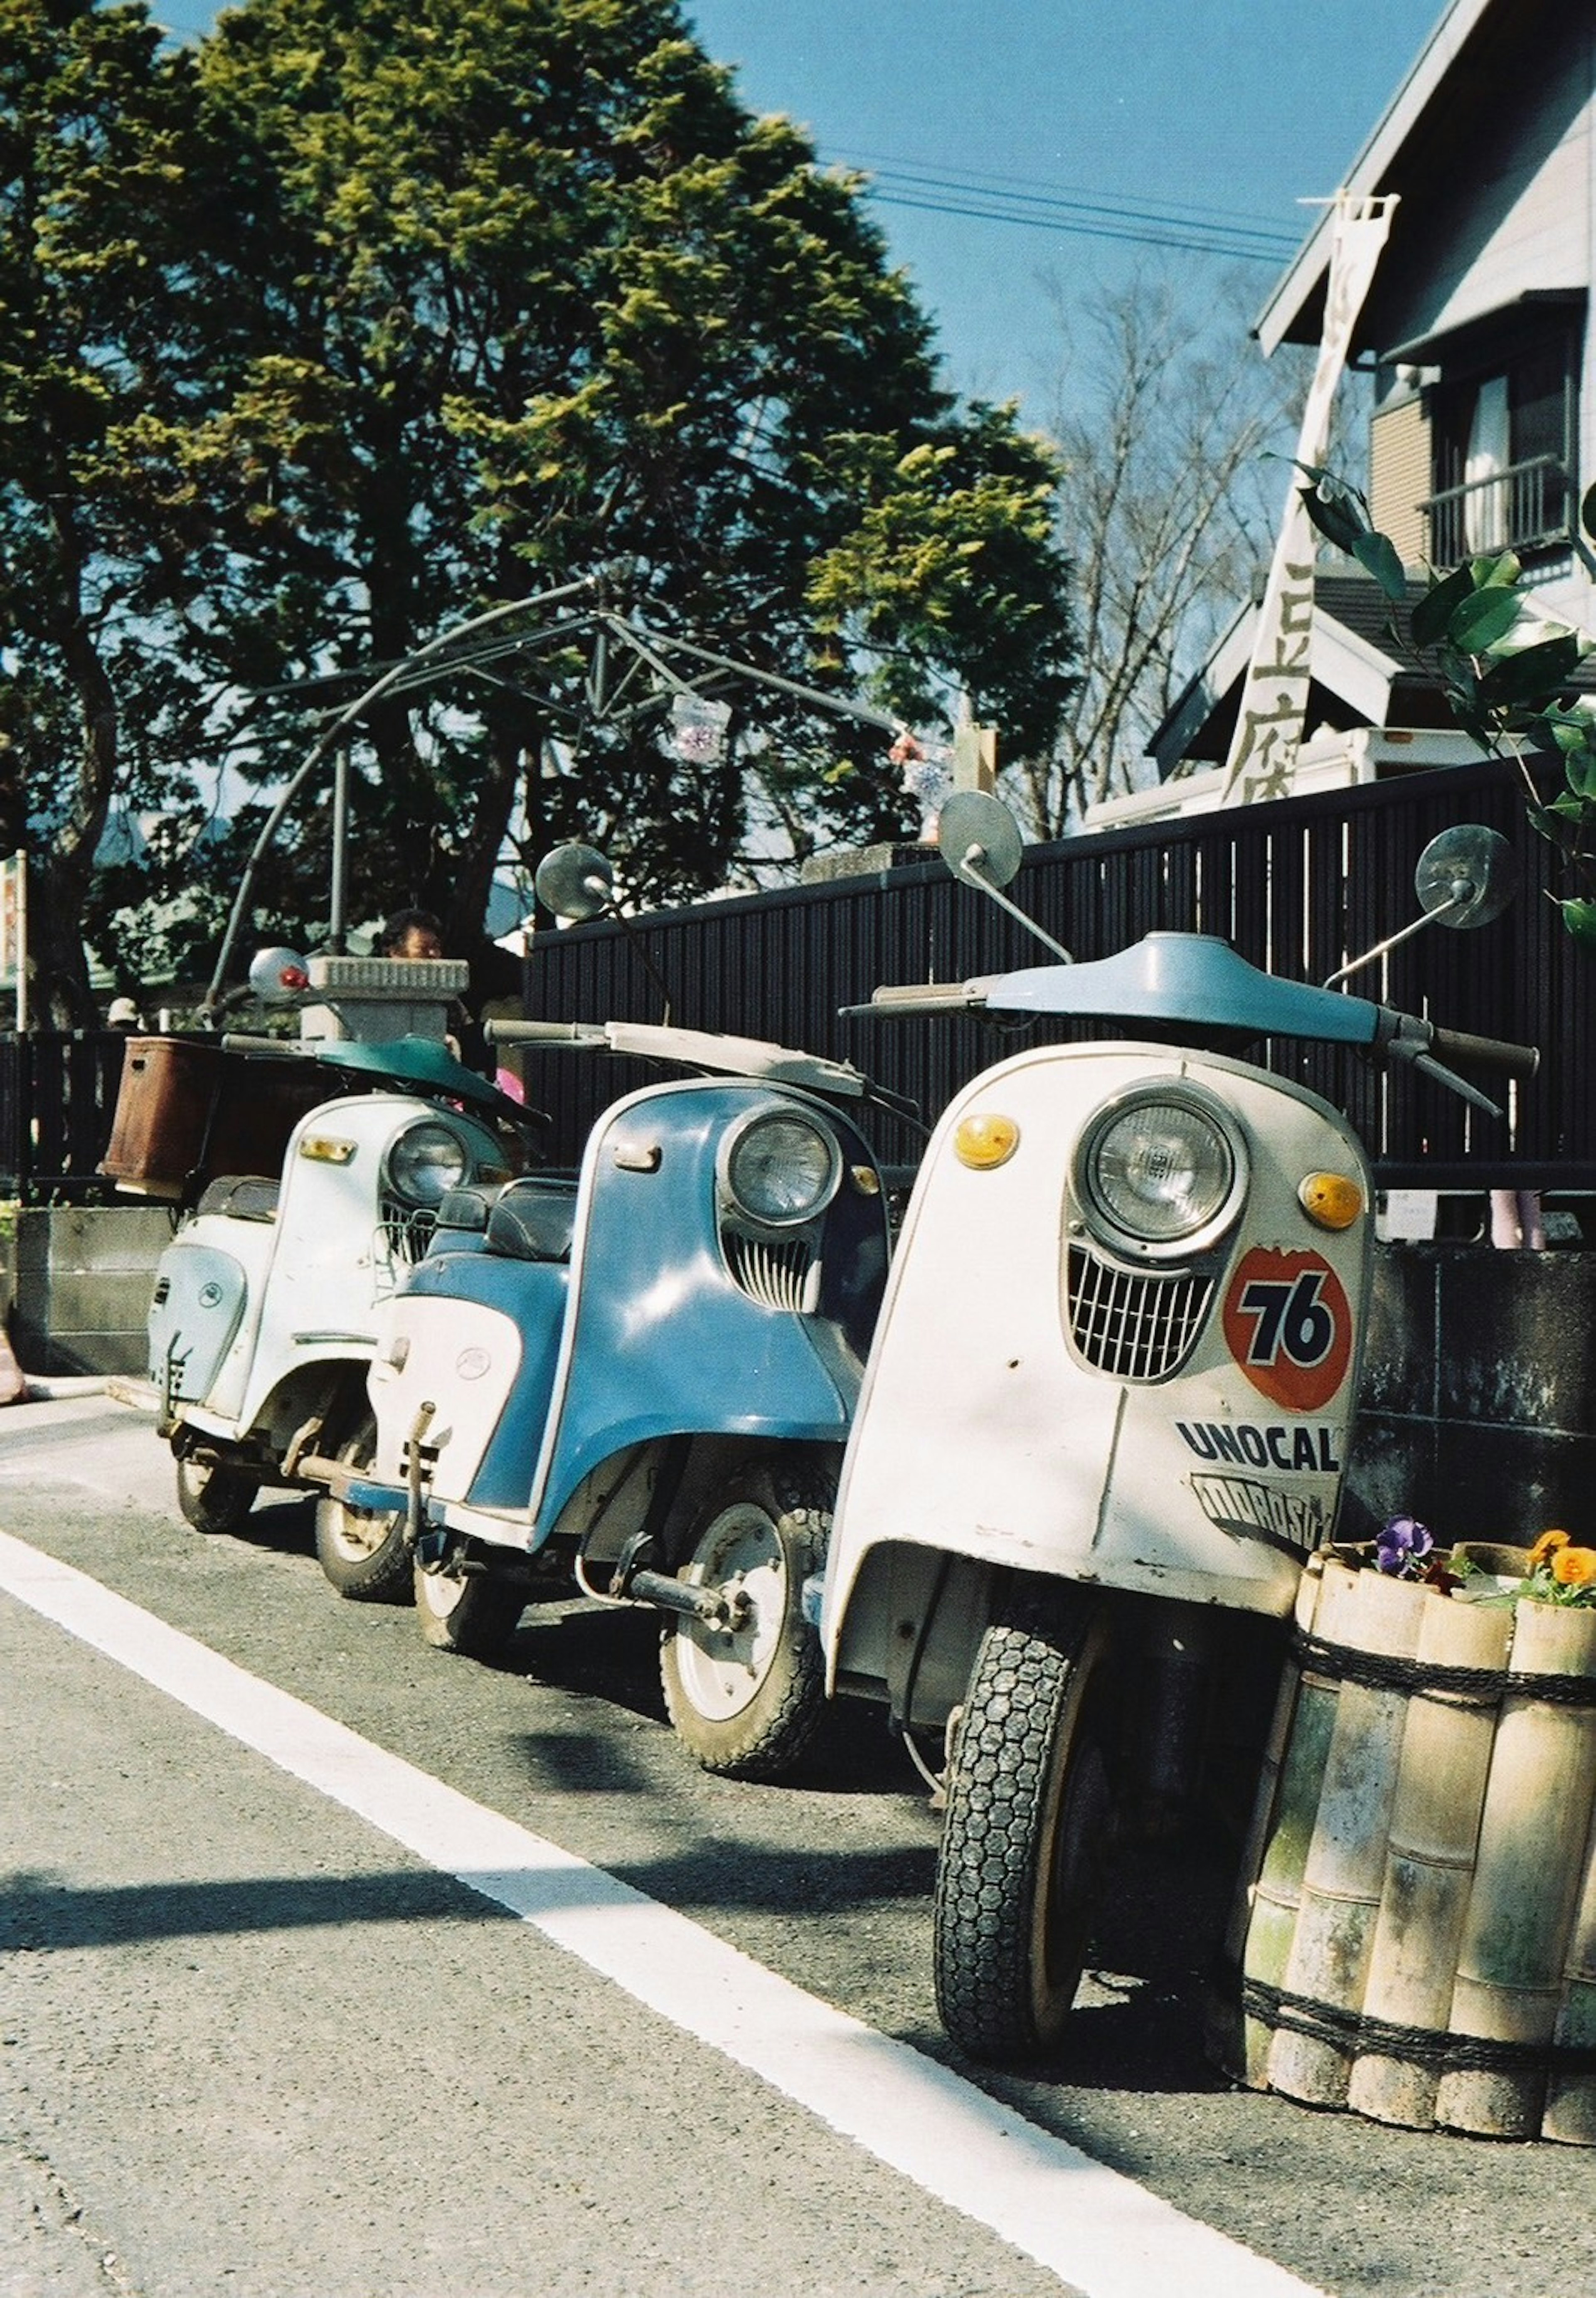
984, 1431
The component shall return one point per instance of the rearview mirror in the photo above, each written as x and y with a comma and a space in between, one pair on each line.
1467, 876
576, 882
980, 839
279, 976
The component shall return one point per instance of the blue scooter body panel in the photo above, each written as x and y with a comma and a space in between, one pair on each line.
658, 1337
661, 1340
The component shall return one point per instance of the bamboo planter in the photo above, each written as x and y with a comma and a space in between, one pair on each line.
1415, 1937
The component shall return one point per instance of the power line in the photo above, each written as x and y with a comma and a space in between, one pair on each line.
1073, 212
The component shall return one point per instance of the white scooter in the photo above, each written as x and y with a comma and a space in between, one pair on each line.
262, 1323
1107, 1406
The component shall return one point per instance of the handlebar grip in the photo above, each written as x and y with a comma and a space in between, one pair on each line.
541, 1033
925, 997
1486, 1053
282, 1049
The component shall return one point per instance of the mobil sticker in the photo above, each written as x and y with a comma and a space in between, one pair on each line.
1288, 1327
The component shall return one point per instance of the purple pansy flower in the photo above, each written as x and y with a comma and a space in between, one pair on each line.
1402, 1542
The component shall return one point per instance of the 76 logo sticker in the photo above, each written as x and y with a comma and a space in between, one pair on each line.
1288, 1327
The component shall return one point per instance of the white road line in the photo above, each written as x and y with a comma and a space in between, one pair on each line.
1101, 2233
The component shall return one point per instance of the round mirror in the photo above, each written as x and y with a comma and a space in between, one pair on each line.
576, 882
279, 976
1467, 876
980, 838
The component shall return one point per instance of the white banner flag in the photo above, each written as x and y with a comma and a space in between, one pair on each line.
1269, 728
13, 932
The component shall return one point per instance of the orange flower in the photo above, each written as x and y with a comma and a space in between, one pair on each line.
1573, 1567
1546, 1546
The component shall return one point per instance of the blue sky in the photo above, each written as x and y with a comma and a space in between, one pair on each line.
1202, 123
1235, 108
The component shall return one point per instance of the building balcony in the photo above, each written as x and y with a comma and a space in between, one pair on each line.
1525, 506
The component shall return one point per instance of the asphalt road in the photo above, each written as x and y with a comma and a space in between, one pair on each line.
258, 2035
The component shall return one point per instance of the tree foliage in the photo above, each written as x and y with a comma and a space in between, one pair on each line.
1506, 672
460, 301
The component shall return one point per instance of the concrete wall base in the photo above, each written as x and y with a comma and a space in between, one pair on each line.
75, 1283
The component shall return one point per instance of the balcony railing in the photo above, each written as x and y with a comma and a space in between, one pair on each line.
1524, 508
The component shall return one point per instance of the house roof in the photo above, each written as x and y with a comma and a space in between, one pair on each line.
1451, 90
1363, 673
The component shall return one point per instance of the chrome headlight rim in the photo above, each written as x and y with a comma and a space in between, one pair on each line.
400, 1179
741, 1204
1109, 1227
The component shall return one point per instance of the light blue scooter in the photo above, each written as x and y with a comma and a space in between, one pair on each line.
646, 1376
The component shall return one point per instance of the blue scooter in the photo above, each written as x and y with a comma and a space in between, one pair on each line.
645, 1377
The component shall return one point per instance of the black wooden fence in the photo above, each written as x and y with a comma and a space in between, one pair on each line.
57, 1097
1298, 886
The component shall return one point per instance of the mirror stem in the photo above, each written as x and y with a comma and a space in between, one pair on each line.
1459, 901
971, 861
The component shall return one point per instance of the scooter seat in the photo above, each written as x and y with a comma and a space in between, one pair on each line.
533, 1221
241, 1196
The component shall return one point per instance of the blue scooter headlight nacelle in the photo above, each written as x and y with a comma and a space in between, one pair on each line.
778, 1169
1161, 1172
426, 1162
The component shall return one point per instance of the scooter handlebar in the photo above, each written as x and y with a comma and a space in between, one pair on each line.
543, 1033
925, 997
1486, 1053
281, 1049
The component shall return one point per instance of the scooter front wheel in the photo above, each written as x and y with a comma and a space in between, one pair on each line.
362, 1550
745, 1699
473, 1613
1029, 1817
214, 1499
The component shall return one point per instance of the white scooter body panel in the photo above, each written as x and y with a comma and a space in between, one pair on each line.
478, 1348
982, 1431
317, 1272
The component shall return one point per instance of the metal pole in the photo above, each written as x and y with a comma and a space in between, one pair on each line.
338, 894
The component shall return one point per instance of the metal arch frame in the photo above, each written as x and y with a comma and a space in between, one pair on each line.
480, 644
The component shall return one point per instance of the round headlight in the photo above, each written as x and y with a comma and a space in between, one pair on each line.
426, 1162
1162, 1172
781, 1169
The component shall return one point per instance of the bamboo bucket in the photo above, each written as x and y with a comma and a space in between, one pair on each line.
1262, 1917
1416, 1934
1344, 1872
1528, 1872
1430, 1858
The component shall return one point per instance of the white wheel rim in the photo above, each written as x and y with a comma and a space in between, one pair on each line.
721, 1669
439, 1593
357, 1533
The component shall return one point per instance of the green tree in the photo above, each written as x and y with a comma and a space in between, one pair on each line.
509, 291
99, 568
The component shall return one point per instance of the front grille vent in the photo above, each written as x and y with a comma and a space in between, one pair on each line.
1130, 1324
405, 1234
777, 1275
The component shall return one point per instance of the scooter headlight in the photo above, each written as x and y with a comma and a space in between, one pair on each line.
426, 1162
1161, 1173
780, 1170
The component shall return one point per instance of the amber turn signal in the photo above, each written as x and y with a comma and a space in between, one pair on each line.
1331, 1200
986, 1140
326, 1149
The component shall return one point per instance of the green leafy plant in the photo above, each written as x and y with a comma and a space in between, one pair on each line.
1506, 672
